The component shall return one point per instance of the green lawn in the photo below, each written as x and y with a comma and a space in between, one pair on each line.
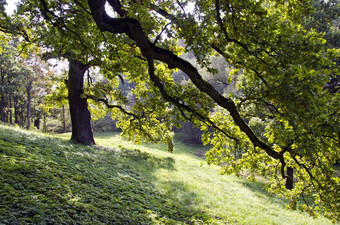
48, 180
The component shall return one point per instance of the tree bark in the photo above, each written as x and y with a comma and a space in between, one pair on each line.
2, 102
290, 178
64, 119
28, 89
44, 123
10, 98
80, 115
10, 111
16, 110
22, 116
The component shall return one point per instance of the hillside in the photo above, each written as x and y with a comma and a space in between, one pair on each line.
48, 180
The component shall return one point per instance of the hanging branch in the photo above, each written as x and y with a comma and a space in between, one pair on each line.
133, 30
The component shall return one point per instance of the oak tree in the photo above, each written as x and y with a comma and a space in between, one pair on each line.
284, 122
284, 119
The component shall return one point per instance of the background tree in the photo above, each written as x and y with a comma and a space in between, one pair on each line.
22, 79
36, 85
56, 99
28, 73
325, 18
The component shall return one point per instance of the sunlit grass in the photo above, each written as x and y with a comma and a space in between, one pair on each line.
228, 199
49, 180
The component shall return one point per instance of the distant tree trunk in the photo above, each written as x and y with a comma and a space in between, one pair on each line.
289, 180
10, 111
10, 99
37, 123
44, 123
28, 89
64, 119
16, 111
22, 118
80, 115
2, 101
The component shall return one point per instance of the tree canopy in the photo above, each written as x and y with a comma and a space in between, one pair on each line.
284, 124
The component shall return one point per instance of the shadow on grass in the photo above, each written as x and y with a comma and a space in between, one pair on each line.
50, 181
181, 147
107, 135
259, 189
146, 160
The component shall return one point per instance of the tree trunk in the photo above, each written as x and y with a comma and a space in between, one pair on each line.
2, 101
290, 178
64, 119
10, 111
44, 124
37, 123
80, 115
28, 89
16, 111
22, 117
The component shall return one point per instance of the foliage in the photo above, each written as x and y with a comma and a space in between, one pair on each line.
57, 97
325, 18
48, 180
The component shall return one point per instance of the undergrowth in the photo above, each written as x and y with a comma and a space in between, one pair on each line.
50, 181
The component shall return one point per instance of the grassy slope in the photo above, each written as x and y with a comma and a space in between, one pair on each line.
50, 181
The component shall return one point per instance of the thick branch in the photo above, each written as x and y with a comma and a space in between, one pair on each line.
181, 106
135, 32
108, 105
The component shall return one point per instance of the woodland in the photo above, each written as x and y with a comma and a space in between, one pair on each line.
255, 81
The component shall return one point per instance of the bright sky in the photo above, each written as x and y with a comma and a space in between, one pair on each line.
10, 7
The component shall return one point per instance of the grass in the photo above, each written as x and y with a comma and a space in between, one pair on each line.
48, 180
